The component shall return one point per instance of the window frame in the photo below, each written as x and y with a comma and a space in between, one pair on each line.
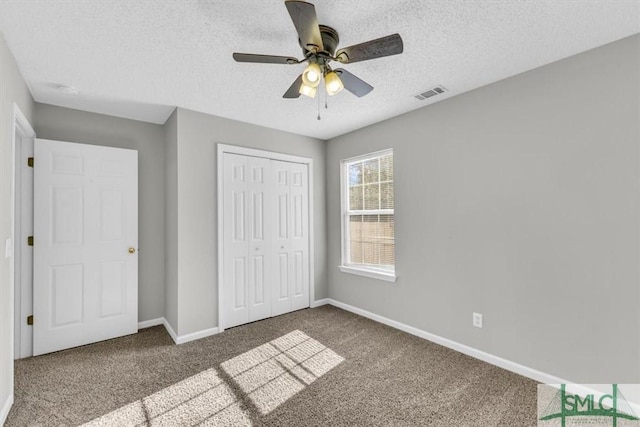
371, 271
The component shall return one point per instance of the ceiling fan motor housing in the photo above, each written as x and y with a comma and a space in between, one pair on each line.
330, 41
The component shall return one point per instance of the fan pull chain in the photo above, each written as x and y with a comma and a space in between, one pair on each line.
326, 97
319, 118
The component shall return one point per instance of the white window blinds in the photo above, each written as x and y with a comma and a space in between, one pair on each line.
369, 213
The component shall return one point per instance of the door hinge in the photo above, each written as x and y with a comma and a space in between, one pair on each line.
30, 162
30, 240
30, 320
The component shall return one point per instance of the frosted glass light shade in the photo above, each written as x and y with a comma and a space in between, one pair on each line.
311, 75
307, 90
332, 83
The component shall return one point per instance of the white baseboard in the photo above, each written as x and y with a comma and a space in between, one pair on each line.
465, 349
196, 335
318, 303
181, 339
6, 407
170, 330
150, 323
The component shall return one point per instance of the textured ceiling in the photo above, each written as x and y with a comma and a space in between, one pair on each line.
139, 59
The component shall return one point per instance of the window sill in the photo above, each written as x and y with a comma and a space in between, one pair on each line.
373, 274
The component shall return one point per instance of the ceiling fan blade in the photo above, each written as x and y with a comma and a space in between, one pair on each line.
385, 46
264, 59
294, 89
353, 84
305, 20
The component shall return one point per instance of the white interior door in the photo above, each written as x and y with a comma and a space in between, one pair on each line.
299, 241
265, 238
282, 239
246, 264
291, 238
85, 285
259, 237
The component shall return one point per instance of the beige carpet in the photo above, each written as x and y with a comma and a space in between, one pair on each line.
314, 367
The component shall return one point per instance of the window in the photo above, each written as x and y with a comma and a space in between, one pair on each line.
368, 246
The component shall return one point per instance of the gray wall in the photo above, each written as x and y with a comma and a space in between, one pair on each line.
198, 134
171, 220
65, 124
12, 89
520, 201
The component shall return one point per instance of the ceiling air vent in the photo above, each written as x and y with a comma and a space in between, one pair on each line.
431, 92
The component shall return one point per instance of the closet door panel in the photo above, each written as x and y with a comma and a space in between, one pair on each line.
260, 259
236, 240
281, 240
299, 240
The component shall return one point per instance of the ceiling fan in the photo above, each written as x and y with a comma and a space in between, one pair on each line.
319, 43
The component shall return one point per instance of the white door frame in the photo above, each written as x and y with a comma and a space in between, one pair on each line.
22, 128
233, 149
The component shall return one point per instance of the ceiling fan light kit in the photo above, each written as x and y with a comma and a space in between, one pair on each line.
319, 44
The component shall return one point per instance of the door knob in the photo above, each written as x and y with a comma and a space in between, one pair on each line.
132, 250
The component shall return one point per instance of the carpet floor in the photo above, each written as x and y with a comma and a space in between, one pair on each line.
313, 367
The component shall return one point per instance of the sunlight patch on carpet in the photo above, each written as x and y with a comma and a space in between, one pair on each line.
274, 372
203, 399
268, 375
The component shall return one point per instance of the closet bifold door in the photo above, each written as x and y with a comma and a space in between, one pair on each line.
290, 239
246, 253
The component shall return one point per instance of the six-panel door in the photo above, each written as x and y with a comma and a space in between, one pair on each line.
246, 230
291, 237
86, 238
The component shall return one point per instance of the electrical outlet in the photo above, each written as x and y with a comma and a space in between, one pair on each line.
477, 320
